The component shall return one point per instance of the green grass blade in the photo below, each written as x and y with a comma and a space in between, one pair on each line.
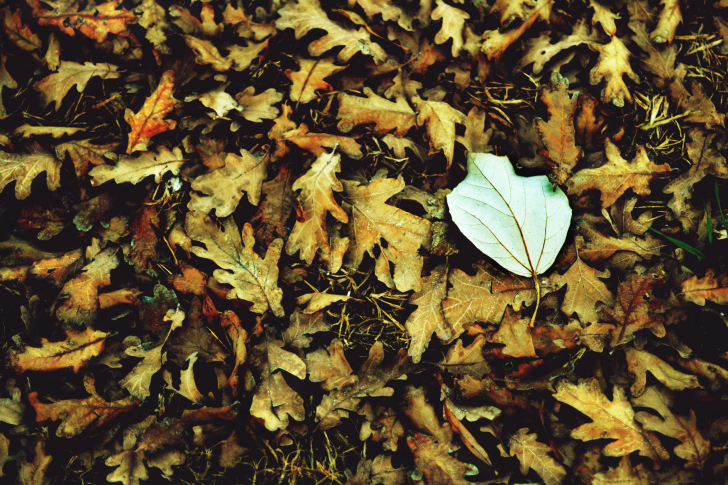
682, 245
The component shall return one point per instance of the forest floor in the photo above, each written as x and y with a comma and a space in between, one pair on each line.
233, 253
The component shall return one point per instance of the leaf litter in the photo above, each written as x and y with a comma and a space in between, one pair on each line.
247, 262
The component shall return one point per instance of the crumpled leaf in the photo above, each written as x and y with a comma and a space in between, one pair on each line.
617, 175
253, 278
670, 17
389, 116
316, 200
75, 352
317, 301
301, 326
310, 78
306, 15
372, 220
520, 222
95, 21
83, 152
23, 168
53, 88
77, 415
34, 472
693, 447
611, 419
603, 16
18, 32
440, 119
149, 121
534, 454
269, 221
6, 81
466, 360
432, 458
428, 317
223, 188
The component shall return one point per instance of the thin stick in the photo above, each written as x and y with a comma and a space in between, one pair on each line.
538, 300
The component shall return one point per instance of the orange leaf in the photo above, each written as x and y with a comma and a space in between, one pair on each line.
149, 120
78, 348
707, 288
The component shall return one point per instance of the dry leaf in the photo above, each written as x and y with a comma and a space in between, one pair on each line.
253, 278
612, 64
24, 168
466, 360
453, 21
136, 169
706, 288
428, 317
310, 78
330, 367
53, 88
534, 454
584, 291
75, 352
149, 121
639, 362
514, 333
388, 116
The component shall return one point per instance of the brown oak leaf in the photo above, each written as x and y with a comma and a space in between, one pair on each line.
612, 64
23, 168
466, 360
253, 278
388, 116
149, 121
440, 119
639, 362
584, 290
54, 87
611, 419
83, 152
269, 221
670, 17
534, 454
77, 415
373, 220
428, 317
617, 175
514, 332
310, 78
697, 290
301, 326
74, 352
19, 33
330, 367
95, 21
453, 21
136, 169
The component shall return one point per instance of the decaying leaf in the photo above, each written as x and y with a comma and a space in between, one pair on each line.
584, 290
75, 352
698, 290
428, 317
310, 78
534, 454
149, 121
612, 64
54, 87
136, 169
24, 168
639, 362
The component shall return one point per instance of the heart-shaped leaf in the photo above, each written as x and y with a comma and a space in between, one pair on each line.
520, 222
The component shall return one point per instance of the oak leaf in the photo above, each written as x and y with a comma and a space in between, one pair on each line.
28, 131
603, 15
136, 169
372, 378
12, 411
95, 21
306, 15
611, 419
558, 134
217, 100
622, 220
274, 400
317, 301
433, 459
612, 64
24, 168
534, 454
253, 278
520, 222
639, 362
466, 360
74, 352
244, 27
584, 290
697, 290
243, 56
149, 121
440, 119
475, 140
53, 88
514, 333
706, 160
484, 297
154, 19
269, 221
624, 473
301, 326
453, 21
50, 221
377, 471
80, 295
428, 317
34, 472
330, 367
382, 425
508, 11
388, 116
310, 78
6, 81
195, 336
617, 175
373, 220
316, 199
693, 447
77, 415
670, 17
637, 306
207, 53
230, 322
144, 238
223, 188
83, 152
258, 107
695, 105
18, 32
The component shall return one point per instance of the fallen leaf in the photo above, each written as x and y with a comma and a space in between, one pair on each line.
693, 447
397, 117
223, 188
301, 326
149, 121
258, 107
520, 222
316, 302
330, 367
19, 33
584, 290
440, 119
310, 78
253, 278
74, 352
306, 15
428, 317
373, 220
53, 88
77, 415
706, 288
540, 50
136, 169
466, 360
603, 16
433, 460
83, 152
670, 17
535, 455
94, 21
514, 333
24, 168
639, 362
316, 200
269, 221
617, 175
34, 472
453, 21
612, 64
611, 419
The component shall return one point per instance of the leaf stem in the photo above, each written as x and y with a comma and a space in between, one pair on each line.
538, 300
